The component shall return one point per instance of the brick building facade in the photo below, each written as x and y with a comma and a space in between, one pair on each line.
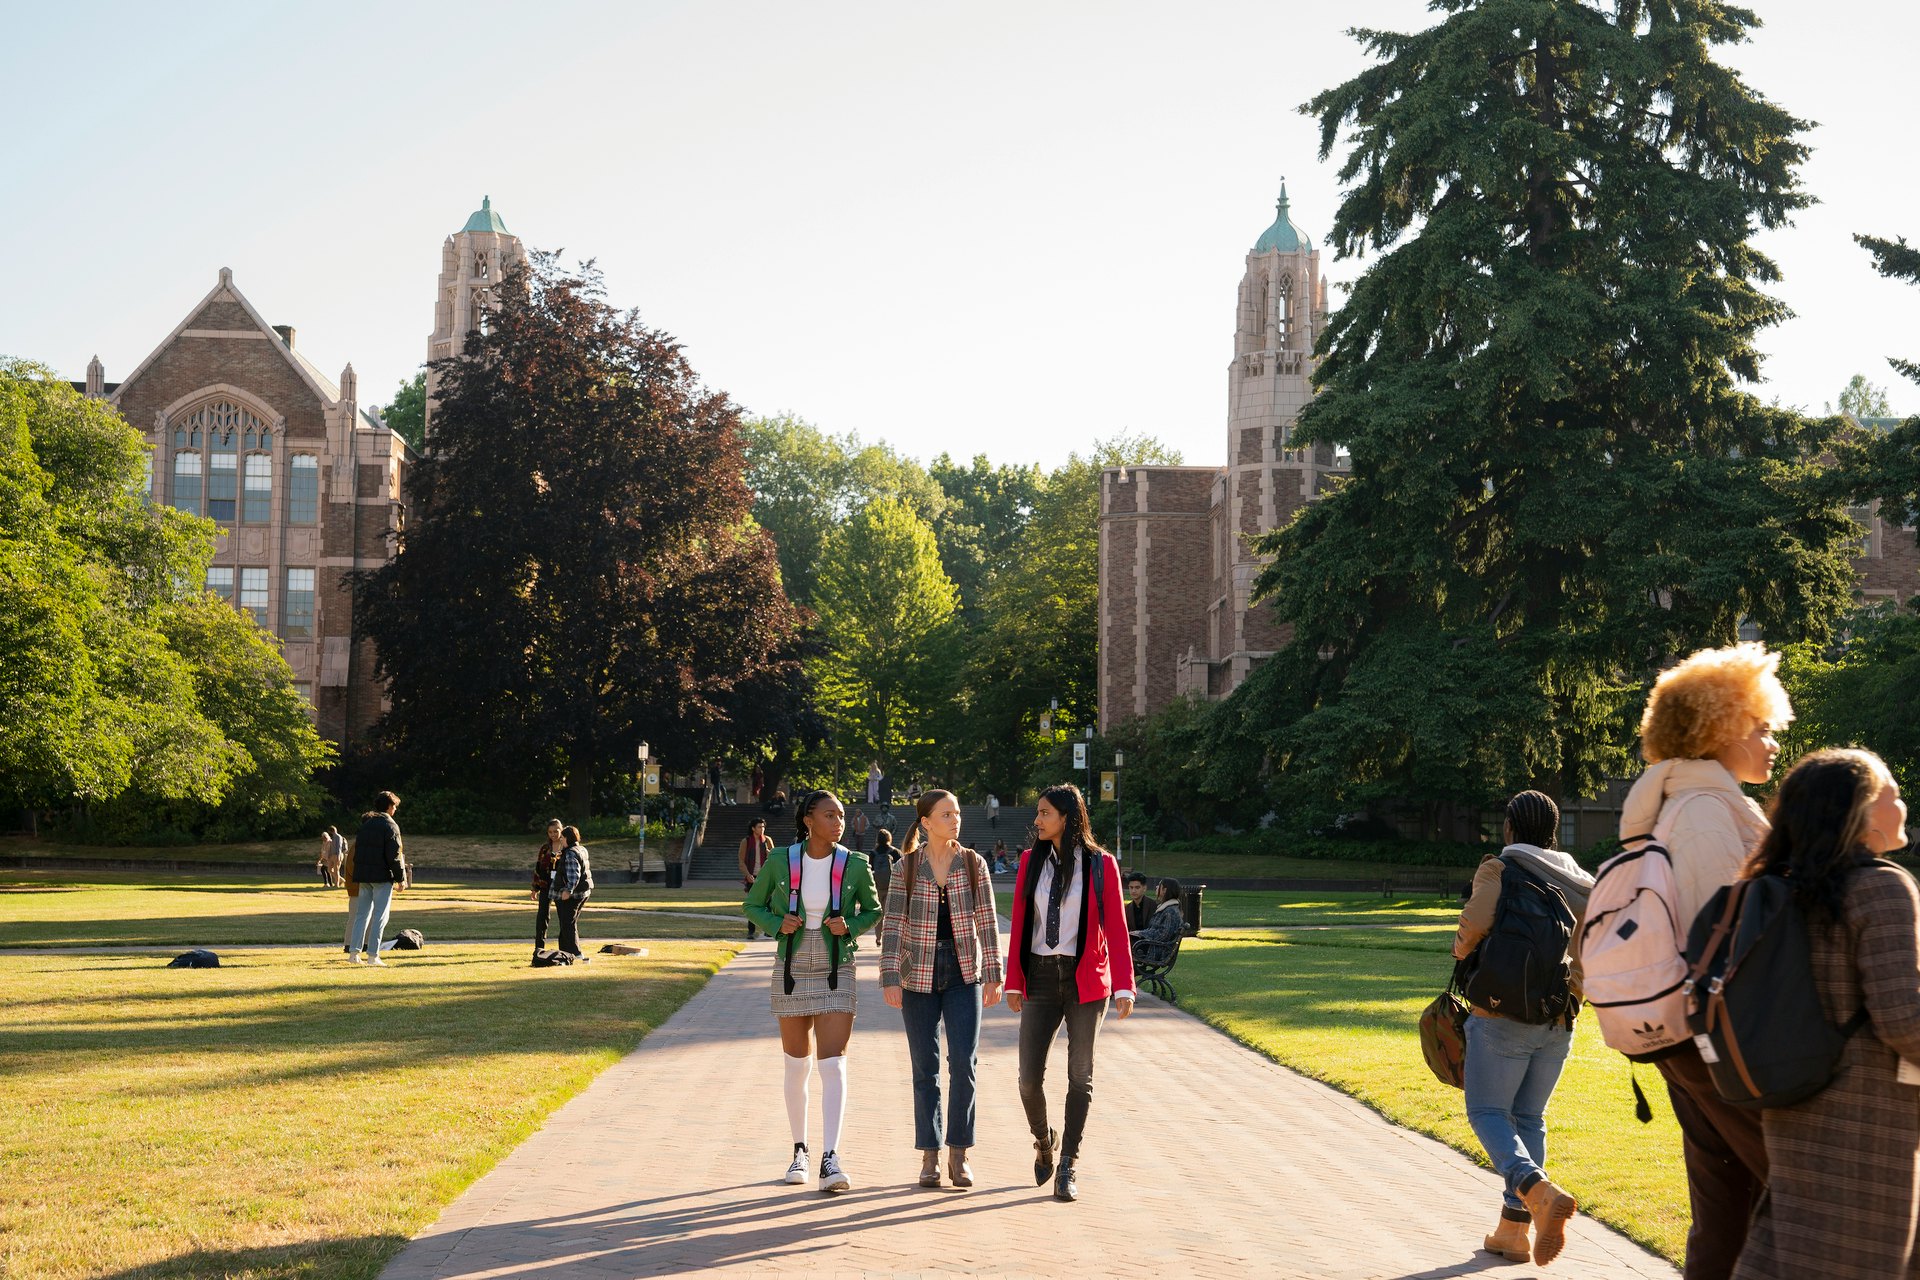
304, 485
1176, 568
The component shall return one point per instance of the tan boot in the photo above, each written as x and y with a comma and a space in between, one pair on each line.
1551, 1209
959, 1172
929, 1168
1509, 1240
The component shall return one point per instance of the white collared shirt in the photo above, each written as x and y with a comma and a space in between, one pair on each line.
1070, 904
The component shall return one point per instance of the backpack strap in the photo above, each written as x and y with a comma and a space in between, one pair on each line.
833, 910
791, 943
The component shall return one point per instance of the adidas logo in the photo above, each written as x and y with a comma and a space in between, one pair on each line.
1494, 1001
1648, 1029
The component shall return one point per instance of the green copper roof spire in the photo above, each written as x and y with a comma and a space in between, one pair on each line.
485, 219
1282, 235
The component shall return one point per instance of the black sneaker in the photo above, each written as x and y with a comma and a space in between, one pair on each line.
832, 1177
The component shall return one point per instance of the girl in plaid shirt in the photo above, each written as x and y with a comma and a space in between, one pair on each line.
940, 963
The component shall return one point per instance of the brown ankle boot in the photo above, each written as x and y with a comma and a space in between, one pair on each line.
929, 1168
959, 1172
1551, 1209
1509, 1240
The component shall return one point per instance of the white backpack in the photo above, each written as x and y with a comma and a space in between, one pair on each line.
1631, 949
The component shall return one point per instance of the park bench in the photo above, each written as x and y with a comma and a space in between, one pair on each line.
1154, 976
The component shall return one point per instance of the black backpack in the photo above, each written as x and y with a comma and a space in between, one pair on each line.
1520, 968
409, 940
1754, 1011
198, 958
548, 959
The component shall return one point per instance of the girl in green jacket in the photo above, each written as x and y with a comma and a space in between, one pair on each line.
815, 898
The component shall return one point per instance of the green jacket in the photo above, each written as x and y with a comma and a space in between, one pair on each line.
766, 904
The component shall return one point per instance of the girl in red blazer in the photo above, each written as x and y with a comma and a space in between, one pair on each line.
1069, 953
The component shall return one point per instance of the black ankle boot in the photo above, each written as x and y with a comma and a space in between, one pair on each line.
1043, 1157
1064, 1186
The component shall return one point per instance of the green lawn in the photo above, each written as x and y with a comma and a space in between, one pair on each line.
1341, 1006
39, 909
287, 1115
427, 852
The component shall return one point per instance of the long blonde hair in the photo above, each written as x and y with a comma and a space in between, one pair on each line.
917, 842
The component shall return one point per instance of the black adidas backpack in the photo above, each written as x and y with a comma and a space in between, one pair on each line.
1752, 1006
1520, 969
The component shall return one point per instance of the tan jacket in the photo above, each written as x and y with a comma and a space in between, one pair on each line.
1709, 826
1476, 918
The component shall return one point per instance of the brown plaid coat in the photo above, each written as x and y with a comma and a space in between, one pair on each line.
910, 928
1843, 1196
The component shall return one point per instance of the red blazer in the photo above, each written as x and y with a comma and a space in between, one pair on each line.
1106, 953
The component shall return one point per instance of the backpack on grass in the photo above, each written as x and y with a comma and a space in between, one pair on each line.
409, 940
1520, 969
198, 958
1752, 1006
549, 959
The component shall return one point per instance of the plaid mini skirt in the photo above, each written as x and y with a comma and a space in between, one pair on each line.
811, 995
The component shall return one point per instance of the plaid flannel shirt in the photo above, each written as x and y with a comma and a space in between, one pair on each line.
910, 930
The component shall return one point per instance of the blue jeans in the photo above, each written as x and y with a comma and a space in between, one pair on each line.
1511, 1070
370, 907
957, 1003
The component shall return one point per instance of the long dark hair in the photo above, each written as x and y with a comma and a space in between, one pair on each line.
809, 800
1072, 806
1820, 819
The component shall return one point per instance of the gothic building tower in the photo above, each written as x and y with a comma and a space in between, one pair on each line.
1176, 567
472, 261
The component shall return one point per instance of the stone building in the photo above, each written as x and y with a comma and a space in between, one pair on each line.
304, 485
1176, 568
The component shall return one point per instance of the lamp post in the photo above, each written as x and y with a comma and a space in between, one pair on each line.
642, 753
1119, 763
1088, 754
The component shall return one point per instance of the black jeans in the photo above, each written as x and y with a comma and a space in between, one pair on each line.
1726, 1156
570, 923
1053, 998
540, 921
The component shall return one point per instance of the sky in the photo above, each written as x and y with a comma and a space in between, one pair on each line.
1001, 228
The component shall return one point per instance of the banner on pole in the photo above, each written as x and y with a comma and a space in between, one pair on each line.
1106, 786
652, 776
1079, 755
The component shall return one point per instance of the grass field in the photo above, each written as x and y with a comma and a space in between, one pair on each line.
287, 1115
1341, 1006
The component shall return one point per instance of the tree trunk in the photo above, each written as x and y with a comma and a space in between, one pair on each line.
579, 792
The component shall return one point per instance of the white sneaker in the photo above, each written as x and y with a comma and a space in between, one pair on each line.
798, 1170
832, 1177
377, 963
357, 958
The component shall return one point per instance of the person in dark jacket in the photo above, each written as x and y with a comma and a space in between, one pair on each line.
543, 859
572, 884
1139, 906
1154, 945
379, 865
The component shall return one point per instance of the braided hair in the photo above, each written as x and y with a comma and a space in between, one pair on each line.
1533, 818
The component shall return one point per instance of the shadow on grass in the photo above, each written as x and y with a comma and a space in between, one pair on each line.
336, 1258
467, 921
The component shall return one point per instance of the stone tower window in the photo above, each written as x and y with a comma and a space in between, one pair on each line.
259, 505
480, 265
186, 481
1283, 307
223, 475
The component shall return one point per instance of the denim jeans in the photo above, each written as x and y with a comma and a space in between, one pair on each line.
1053, 997
957, 1003
1511, 1070
370, 907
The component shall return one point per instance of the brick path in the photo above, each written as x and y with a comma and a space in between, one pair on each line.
672, 1160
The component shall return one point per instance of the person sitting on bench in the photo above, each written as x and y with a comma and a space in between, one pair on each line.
1154, 945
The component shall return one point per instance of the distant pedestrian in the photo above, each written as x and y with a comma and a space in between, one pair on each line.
993, 810
333, 851
859, 826
754, 851
885, 859
1844, 1179
1154, 943
1068, 955
379, 866
1707, 729
873, 782
759, 780
819, 897
713, 776
543, 859
572, 885
940, 965
1513, 1060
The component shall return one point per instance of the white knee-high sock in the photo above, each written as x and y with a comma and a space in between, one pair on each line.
833, 1100
798, 1069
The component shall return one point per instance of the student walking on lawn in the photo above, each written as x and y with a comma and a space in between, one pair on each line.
543, 859
940, 965
1843, 1192
1708, 728
572, 885
379, 866
754, 851
1515, 1053
818, 898
1068, 956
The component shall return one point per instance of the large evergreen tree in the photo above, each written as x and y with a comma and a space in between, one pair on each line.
579, 570
1558, 481
1892, 463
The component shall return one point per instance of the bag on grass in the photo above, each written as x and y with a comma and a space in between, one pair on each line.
548, 959
1443, 1033
409, 940
1752, 1005
198, 958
